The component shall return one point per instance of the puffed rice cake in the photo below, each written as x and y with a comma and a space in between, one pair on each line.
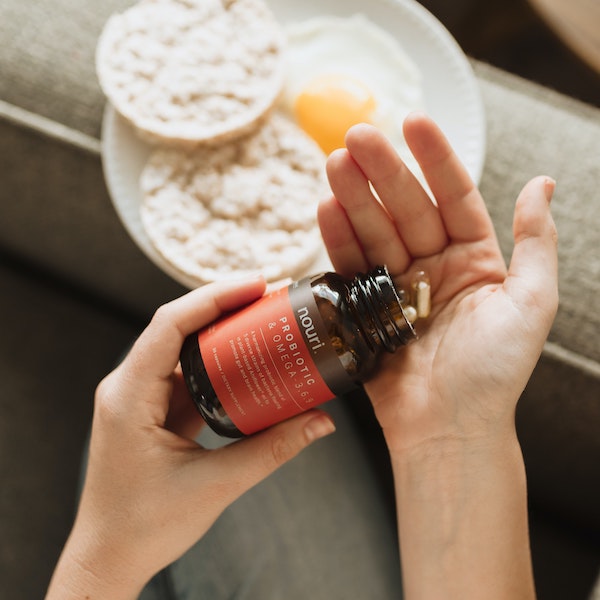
241, 208
192, 71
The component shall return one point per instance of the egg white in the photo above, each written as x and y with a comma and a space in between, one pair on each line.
357, 48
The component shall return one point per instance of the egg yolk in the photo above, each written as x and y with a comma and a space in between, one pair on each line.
329, 105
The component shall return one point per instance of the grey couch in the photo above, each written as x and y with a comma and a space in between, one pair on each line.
76, 289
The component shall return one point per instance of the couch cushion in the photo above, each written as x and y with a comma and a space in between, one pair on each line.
47, 58
46, 400
56, 214
533, 130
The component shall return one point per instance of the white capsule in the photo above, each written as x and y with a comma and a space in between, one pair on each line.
410, 312
421, 294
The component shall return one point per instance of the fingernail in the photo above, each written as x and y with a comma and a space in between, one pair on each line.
276, 285
549, 186
319, 427
250, 278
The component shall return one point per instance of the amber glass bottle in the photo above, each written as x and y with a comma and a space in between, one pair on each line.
293, 349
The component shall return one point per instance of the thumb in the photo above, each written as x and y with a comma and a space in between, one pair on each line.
249, 461
532, 281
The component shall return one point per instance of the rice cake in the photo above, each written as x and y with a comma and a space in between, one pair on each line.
241, 208
192, 71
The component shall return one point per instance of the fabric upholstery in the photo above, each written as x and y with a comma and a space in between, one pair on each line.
47, 58
46, 401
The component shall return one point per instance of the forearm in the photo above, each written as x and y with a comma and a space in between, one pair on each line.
462, 517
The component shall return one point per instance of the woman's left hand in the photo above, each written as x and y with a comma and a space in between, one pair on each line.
151, 491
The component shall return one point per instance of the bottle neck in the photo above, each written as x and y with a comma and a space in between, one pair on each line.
379, 306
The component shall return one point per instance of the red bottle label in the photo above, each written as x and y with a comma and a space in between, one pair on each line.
273, 359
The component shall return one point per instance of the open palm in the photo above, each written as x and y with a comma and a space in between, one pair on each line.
488, 324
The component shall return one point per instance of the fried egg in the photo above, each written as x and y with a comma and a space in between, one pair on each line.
343, 71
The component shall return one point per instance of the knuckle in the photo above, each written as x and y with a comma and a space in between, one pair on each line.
279, 451
105, 408
161, 315
104, 388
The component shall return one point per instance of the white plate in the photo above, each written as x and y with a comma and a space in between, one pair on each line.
451, 95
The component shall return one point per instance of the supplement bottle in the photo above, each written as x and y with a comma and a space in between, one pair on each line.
293, 349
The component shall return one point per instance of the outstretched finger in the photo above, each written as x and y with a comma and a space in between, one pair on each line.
532, 281
462, 209
374, 229
339, 238
415, 217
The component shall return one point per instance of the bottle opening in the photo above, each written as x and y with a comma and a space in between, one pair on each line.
389, 319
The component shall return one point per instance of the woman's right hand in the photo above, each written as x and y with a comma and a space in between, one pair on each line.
447, 402
487, 325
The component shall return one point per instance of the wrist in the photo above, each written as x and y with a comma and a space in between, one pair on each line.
459, 469
87, 568
462, 517
457, 448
